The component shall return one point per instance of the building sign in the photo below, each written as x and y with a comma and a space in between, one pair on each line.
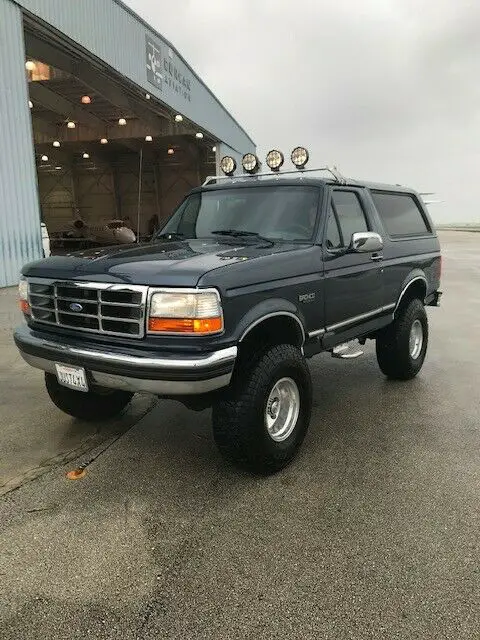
154, 62
163, 71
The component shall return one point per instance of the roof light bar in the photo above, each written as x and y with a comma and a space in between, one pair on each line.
337, 176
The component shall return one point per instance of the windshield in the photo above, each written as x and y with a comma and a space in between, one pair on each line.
273, 212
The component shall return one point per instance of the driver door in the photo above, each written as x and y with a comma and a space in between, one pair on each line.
353, 281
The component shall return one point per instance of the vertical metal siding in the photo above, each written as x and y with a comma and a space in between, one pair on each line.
108, 30
20, 237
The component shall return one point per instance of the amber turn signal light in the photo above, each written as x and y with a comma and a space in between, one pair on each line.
196, 326
25, 307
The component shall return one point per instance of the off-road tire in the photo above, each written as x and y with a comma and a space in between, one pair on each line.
239, 418
392, 345
90, 406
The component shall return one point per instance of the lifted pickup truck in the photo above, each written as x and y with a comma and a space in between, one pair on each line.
251, 276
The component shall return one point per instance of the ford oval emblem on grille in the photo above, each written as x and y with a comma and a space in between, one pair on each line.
75, 306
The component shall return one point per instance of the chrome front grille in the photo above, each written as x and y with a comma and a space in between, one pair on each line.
111, 309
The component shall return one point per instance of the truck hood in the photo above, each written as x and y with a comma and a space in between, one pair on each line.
179, 263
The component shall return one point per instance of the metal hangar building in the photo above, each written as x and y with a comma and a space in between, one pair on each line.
101, 119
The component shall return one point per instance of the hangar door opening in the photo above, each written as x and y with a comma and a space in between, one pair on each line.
112, 162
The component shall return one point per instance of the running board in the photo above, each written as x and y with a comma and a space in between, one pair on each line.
347, 350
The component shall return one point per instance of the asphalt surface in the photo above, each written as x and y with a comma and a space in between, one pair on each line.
33, 437
373, 532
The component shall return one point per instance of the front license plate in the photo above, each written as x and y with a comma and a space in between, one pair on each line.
72, 377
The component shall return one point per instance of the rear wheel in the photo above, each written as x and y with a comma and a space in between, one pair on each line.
263, 420
402, 347
90, 406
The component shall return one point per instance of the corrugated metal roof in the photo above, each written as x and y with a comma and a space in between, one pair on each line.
20, 239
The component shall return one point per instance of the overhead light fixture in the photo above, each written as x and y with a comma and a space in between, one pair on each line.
104, 141
86, 156
250, 163
228, 165
30, 104
171, 151
275, 159
71, 124
58, 168
147, 96
148, 138
44, 158
178, 118
199, 135
56, 143
214, 149
300, 157
30, 65
86, 100
122, 122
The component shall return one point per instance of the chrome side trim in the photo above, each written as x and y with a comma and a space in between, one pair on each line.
405, 288
273, 315
362, 316
316, 333
140, 385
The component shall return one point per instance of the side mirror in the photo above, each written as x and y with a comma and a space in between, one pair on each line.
366, 242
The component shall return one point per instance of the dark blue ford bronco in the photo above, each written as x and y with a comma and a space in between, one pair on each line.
252, 275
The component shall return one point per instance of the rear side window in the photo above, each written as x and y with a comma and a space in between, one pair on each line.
349, 213
400, 214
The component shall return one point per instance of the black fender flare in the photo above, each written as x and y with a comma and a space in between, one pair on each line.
273, 307
416, 275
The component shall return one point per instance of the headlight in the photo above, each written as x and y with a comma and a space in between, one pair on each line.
250, 163
275, 159
23, 296
228, 165
299, 157
192, 312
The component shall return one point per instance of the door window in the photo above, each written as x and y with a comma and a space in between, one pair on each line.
332, 235
349, 213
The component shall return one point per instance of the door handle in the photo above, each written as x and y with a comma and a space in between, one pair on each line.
376, 257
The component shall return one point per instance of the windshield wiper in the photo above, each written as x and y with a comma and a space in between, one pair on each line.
237, 233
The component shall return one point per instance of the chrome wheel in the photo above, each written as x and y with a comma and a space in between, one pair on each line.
416, 339
282, 409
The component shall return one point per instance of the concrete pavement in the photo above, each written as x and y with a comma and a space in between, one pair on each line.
371, 533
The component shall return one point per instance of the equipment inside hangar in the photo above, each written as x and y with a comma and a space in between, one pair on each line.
112, 161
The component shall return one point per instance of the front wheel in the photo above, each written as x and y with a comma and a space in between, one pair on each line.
402, 347
263, 420
90, 406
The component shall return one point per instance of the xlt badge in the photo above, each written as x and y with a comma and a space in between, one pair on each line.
306, 297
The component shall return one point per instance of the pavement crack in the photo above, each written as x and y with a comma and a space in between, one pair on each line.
40, 509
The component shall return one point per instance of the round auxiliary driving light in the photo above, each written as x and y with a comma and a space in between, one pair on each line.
228, 165
250, 163
275, 159
300, 157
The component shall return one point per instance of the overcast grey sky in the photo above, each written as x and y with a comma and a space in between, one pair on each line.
388, 90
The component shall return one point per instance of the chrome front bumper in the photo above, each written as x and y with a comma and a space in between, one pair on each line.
166, 375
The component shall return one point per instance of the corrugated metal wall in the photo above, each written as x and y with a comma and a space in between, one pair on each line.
115, 35
20, 239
